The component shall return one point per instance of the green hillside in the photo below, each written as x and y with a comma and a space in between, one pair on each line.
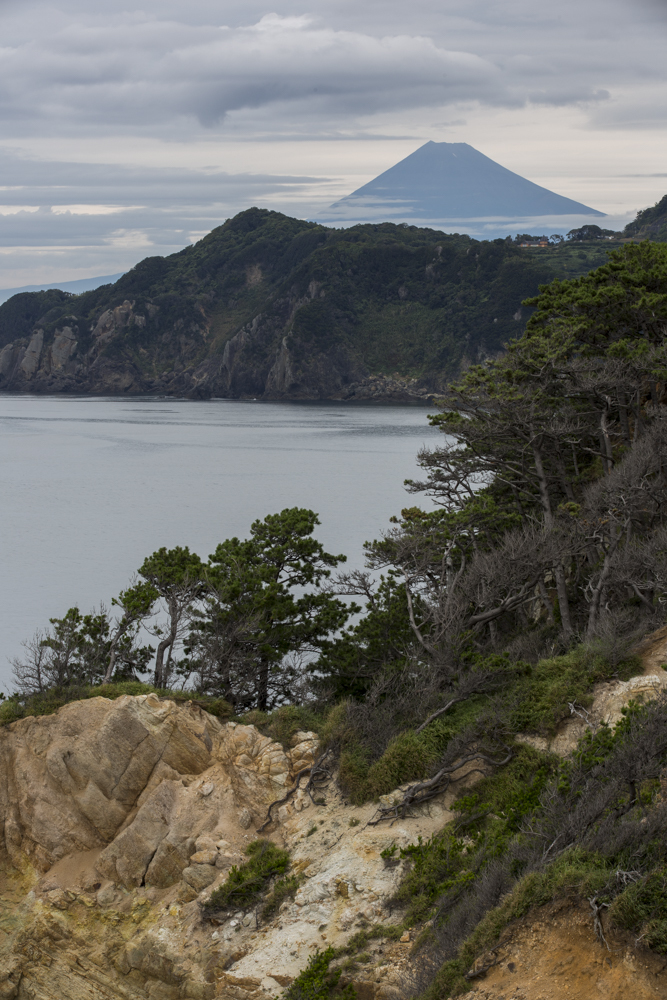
274, 307
651, 223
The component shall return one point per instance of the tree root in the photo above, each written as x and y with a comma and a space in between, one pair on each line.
319, 776
421, 792
597, 909
475, 974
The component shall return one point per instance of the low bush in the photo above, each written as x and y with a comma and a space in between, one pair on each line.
284, 722
316, 982
283, 888
642, 908
410, 756
596, 828
246, 883
535, 699
543, 697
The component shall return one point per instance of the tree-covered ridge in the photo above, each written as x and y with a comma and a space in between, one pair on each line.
650, 223
266, 305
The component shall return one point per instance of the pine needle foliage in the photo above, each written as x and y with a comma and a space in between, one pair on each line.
246, 883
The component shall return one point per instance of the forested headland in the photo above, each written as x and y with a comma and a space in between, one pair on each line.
475, 626
266, 306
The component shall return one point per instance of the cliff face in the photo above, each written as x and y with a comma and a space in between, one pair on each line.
120, 817
271, 307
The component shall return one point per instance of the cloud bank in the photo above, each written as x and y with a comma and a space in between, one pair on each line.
85, 91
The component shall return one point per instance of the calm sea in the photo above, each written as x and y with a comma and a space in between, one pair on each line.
90, 486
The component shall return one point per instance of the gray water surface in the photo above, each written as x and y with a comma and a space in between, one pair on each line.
90, 486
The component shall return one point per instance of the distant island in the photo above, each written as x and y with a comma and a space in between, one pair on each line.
272, 307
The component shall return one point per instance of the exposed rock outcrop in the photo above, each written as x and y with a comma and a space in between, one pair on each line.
120, 817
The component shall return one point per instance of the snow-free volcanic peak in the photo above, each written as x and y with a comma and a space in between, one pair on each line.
443, 181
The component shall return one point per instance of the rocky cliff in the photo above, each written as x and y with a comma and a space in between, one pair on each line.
121, 818
271, 307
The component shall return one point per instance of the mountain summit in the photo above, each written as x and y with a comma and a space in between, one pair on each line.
452, 181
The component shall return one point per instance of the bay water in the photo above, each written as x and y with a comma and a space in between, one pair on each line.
90, 486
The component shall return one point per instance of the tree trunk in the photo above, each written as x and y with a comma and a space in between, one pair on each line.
159, 660
112, 664
543, 486
623, 417
166, 644
263, 685
605, 443
559, 573
548, 606
563, 600
594, 610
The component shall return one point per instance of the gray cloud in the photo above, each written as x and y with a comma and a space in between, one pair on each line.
328, 70
59, 203
160, 71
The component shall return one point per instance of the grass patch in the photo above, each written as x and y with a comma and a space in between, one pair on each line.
246, 883
642, 908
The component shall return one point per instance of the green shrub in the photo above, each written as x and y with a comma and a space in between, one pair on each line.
49, 701
500, 801
409, 757
316, 982
10, 711
543, 697
284, 722
283, 888
642, 908
246, 883
439, 865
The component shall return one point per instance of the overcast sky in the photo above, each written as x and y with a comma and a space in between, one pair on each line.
127, 132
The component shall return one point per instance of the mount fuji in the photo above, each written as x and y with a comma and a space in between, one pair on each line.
451, 182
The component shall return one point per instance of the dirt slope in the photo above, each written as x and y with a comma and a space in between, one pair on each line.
554, 953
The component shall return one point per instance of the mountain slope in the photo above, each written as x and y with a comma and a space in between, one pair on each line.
651, 223
272, 307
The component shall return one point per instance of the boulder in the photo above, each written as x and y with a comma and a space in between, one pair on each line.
199, 876
204, 858
166, 867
